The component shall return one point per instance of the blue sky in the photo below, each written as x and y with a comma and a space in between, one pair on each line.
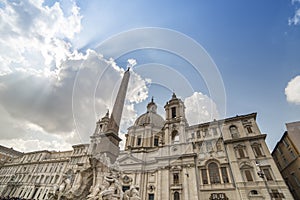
254, 44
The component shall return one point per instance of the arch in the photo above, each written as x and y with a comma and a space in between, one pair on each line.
175, 136
253, 193
234, 131
257, 149
247, 171
210, 161
246, 165
176, 196
240, 151
214, 175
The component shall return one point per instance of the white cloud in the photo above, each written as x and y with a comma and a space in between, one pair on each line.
131, 62
49, 89
295, 1
292, 90
36, 36
87, 87
200, 108
295, 20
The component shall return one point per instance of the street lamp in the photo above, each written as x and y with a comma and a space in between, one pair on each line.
261, 174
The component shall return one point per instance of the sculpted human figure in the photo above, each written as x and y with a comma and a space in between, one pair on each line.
94, 193
64, 187
131, 194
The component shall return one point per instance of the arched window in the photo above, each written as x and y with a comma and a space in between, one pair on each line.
214, 175
240, 151
234, 131
173, 112
253, 192
176, 196
175, 137
257, 150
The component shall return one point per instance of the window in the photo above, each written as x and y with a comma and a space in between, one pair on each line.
253, 192
248, 175
284, 160
286, 142
224, 175
292, 154
151, 197
218, 196
267, 174
193, 135
44, 197
275, 194
206, 132
175, 137
215, 132
56, 178
176, 196
279, 150
176, 179
173, 110
156, 140
249, 129
139, 141
241, 153
198, 134
214, 173
234, 131
257, 150
296, 178
204, 176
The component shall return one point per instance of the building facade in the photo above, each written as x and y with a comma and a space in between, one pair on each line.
164, 158
6, 154
286, 156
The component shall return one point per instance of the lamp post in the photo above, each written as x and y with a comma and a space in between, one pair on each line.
261, 174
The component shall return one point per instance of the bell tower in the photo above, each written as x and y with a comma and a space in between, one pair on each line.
175, 121
175, 110
107, 140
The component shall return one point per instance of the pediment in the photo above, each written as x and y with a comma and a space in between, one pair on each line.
129, 159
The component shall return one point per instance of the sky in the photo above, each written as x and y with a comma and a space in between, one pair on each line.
61, 63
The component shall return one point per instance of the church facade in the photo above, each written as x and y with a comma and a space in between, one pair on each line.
164, 158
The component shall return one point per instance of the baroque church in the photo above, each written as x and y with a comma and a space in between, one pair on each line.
164, 159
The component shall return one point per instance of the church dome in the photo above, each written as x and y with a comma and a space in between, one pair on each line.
150, 117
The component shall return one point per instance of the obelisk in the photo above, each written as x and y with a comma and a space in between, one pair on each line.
109, 142
115, 118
